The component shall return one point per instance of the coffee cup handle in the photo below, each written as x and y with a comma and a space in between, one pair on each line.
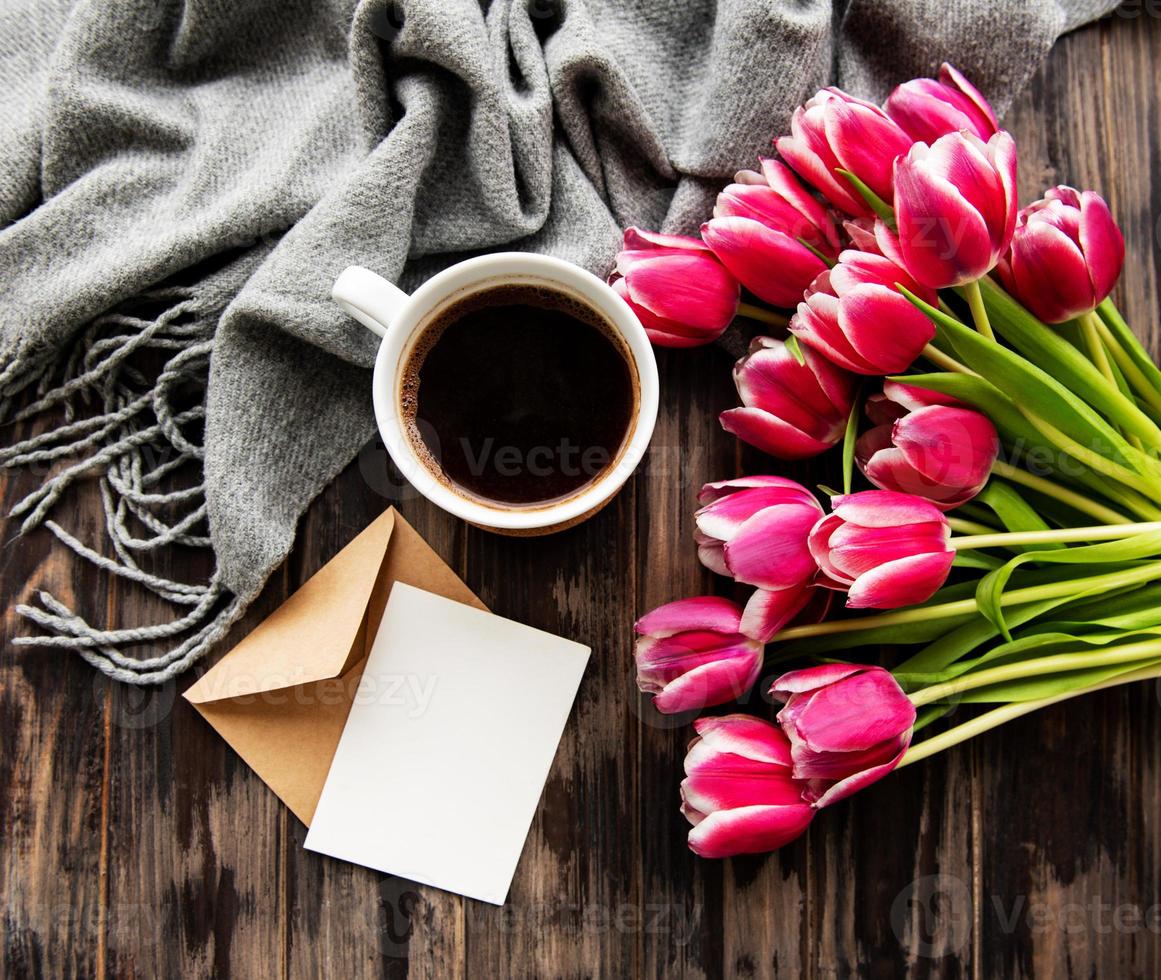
369, 298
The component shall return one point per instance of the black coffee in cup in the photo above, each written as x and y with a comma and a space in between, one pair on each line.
519, 394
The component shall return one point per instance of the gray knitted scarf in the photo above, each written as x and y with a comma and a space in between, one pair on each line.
180, 183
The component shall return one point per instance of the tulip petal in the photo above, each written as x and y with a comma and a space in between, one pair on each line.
950, 75
781, 178
950, 447
903, 582
884, 328
746, 736
707, 791
711, 553
772, 435
749, 830
816, 324
855, 550
852, 784
867, 142
772, 265
768, 610
866, 709
772, 379
810, 167
710, 613
689, 288
720, 488
1102, 242
769, 550
725, 515
811, 678
944, 238
709, 684
642, 239
818, 542
884, 508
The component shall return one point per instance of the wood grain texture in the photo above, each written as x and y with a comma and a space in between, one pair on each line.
135, 844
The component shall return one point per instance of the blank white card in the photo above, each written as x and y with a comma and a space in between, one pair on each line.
449, 741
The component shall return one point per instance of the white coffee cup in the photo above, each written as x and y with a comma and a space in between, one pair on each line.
400, 320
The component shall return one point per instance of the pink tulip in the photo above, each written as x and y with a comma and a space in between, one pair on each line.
738, 790
927, 109
755, 231
790, 410
836, 131
854, 315
754, 528
1066, 255
692, 653
929, 445
683, 296
955, 207
887, 549
848, 725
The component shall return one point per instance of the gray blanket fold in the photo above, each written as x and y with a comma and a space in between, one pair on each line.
180, 183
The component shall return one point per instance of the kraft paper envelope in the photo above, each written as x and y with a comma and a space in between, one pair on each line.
282, 695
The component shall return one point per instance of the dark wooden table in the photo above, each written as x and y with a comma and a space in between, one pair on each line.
135, 843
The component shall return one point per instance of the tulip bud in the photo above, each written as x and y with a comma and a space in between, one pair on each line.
848, 725
955, 207
754, 528
681, 293
930, 445
791, 410
691, 654
1066, 255
738, 790
854, 315
756, 230
886, 549
835, 131
927, 109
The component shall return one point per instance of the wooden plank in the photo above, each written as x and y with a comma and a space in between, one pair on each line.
53, 770
570, 906
195, 838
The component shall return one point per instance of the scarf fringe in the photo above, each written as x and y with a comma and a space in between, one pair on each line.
126, 394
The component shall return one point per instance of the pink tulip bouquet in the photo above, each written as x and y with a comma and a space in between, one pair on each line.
964, 354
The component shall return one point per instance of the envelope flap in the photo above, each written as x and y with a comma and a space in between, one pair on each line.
312, 636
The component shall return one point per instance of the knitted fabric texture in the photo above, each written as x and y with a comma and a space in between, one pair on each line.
181, 182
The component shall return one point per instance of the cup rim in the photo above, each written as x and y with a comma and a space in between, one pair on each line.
474, 271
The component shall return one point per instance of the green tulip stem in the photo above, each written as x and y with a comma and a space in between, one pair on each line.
1096, 349
945, 361
752, 312
964, 526
1128, 366
1053, 664
975, 301
1136, 575
1093, 460
1064, 535
998, 716
1048, 488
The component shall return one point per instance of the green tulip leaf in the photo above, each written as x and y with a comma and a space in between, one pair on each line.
991, 587
1051, 685
874, 202
1128, 340
850, 437
1014, 512
1046, 348
1040, 393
